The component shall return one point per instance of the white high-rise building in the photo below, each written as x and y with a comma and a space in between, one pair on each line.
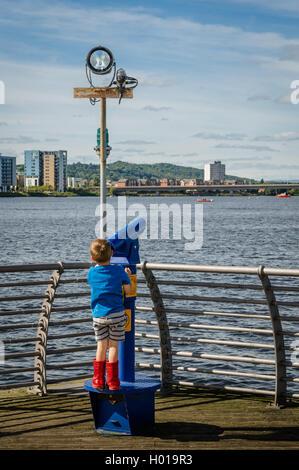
214, 172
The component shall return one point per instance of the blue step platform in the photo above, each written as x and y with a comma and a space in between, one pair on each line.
128, 411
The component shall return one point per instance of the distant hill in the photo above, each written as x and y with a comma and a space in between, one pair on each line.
119, 170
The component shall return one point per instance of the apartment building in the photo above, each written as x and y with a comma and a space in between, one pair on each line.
46, 168
214, 172
49, 170
33, 168
8, 173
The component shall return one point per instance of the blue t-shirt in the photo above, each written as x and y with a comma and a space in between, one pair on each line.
106, 289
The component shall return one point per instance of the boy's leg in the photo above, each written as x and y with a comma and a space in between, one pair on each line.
116, 334
99, 365
102, 349
113, 351
113, 381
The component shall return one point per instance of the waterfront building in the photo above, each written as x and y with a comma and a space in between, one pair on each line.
169, 182
148, 182
73, 182
122, 183
195, 182
153, 182
8, 173
49, 170
235, 181
190, 182
31, 181
46, 168
33, 168
132, 182
127, 182
143, 181
214, 172
20, 181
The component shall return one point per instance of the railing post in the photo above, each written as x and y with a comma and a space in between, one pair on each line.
164, 335
280, 359
42, 333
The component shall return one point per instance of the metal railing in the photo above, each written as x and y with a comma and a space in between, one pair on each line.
214, 346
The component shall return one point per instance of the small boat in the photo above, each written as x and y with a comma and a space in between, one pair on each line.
204, 200
283, 195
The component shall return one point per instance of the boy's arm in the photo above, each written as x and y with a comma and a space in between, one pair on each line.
128, 287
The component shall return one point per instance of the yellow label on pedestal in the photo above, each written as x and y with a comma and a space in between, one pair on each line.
128, 322
133, 279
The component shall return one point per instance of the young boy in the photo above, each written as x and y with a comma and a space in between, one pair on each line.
106, 281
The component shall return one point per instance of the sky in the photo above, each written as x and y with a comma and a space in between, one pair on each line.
214, 81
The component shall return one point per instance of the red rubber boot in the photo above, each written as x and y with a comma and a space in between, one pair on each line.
113, 381
99, 374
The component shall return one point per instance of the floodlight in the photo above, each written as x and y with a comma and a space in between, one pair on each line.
122, 81
121, 76
100, 60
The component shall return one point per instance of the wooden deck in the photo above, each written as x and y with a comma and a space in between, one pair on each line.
187, 419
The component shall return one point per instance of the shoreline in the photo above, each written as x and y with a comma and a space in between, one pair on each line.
130, 194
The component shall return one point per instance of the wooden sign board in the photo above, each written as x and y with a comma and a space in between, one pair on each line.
102, 93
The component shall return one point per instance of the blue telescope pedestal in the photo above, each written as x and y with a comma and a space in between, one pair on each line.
131, 409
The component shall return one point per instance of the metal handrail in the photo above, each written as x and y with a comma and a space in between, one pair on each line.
166, 340
221, 269
158, 266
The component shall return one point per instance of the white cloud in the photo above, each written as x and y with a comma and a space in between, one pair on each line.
248, 158
290, 52
256, 148
288, 136
156, 108
18, 140
135, 142
81, 24
259, 98
219, 136
39, 83
286, 5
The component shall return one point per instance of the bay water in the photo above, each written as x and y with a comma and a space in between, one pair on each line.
239, 231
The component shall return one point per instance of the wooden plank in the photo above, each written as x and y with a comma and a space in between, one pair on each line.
102, 93
188, 419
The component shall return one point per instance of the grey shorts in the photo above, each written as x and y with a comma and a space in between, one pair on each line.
111, 326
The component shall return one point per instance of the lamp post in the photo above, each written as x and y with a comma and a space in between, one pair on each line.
100, 61
103, 157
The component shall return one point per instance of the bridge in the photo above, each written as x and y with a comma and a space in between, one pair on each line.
279, 187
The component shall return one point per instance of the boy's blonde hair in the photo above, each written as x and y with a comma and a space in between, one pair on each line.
100, 250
